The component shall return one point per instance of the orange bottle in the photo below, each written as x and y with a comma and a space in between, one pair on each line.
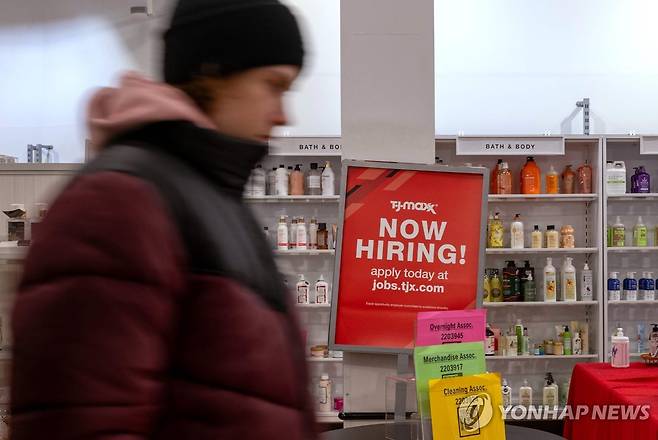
493, 179
504, 184
530, 177
568, 180
552, 182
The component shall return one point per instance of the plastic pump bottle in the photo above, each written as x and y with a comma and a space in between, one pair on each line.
620, 350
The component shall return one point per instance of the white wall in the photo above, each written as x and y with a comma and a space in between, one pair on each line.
518, 66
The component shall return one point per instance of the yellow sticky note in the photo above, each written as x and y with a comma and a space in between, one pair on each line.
467, 407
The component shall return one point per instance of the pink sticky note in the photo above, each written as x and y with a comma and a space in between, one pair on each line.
436, 328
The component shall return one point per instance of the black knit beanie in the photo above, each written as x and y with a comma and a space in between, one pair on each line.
220, 37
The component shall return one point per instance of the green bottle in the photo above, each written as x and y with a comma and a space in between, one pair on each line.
640, 233
566, 340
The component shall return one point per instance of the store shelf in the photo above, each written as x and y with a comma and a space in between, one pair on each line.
495, 305
305, 253
327, 417
319, 359
545, 357
638, 302
293, 199
539, 198
634, 197
314, 306
542, 251
13, 252
633, 249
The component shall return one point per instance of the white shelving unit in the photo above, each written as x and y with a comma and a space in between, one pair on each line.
314, 318
631, 315
583, 212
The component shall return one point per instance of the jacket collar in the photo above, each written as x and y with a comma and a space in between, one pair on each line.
224, 160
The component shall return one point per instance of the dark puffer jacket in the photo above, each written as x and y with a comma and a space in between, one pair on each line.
151, 307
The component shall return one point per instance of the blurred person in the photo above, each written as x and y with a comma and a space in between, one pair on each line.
151, 306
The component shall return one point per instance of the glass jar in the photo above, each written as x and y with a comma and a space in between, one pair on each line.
548, 346
567, 237
558, 348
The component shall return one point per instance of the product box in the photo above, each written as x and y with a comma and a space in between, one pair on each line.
467, 407
445, 361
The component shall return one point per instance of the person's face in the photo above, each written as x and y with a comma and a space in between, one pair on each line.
249, 104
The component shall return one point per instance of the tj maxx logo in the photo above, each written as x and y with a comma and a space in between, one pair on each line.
413, 206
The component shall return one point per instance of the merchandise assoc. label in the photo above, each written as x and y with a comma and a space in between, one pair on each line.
505, 146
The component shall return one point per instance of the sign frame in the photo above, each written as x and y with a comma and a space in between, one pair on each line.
465, 145
346, 165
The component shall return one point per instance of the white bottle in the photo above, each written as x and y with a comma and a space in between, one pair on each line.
259, 179
614, 287
302, 290
586, 286
282, 181
282, 234
619, 356
292, 234
630, 287
507, 394
615, 178
569, 281
550, 394
647, 287
302, 235
321, 291
313, 234
516, 230
525, 394
324, 394
271, 182
328, 181
550, 281
314, 181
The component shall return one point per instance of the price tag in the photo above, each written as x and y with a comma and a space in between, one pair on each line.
305, 147
434, 328
510, 146
649, 144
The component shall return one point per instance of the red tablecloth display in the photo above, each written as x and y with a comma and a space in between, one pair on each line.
600, 384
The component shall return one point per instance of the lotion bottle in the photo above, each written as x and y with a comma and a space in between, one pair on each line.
516, 230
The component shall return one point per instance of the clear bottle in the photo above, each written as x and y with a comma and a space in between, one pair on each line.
552, 237
328, 181
550, 292
282, 181
504, 180
313, 234
584, 181
525, 394
516, 232
568, 180
496, 287
569, 289
529, 288
496, 232
618, 233
282, 242
530, 177
314, 181
302, 290
302, 235
619, 357
493, 180
297, 182
552, 181
292, 234
640, 233
537, 238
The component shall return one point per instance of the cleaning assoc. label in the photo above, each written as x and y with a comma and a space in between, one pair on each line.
467, 407
406, 248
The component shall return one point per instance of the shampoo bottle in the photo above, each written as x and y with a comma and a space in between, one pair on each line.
640, 233
259, 182
630, 287
537, 238
586, 286
321, 291
314, 181
549, 281
618, 233
614, 287
525, 394
507, 394
646, 287
569, 281
552, 181
530, 177
550, 395
619, 357
516, 231
302, 290
282, 181
302, 235
325, 398
282, 234
328, 181
529, 288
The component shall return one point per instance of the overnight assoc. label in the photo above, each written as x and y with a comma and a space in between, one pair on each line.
445, 327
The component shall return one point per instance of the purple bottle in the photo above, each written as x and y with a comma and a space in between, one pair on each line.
641, 182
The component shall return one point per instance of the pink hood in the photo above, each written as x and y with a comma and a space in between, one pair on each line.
136, 102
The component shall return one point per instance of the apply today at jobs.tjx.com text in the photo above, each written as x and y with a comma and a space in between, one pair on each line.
407, 286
